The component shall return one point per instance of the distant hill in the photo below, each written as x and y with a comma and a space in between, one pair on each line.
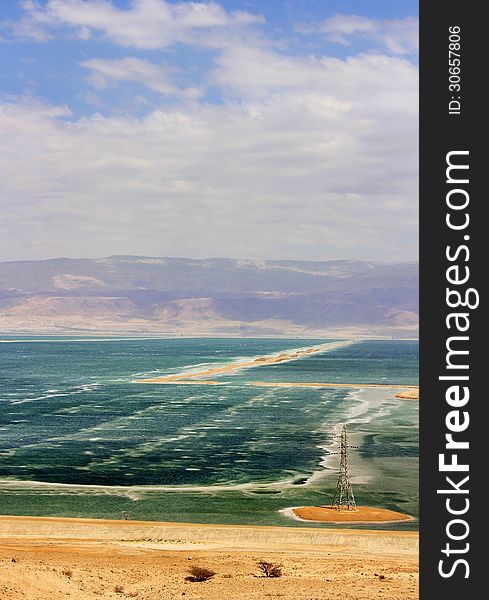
218, 296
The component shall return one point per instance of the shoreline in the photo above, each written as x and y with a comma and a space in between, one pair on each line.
110, 334
212, 536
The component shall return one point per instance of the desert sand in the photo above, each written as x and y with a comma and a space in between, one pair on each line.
83, 559
361, 514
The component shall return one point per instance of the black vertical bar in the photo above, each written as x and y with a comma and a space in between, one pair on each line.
440, 133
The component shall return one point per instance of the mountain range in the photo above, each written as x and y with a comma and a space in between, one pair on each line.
218, 296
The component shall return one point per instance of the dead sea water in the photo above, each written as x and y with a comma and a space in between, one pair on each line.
79, 438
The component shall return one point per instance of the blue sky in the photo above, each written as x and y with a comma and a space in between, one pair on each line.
185, 129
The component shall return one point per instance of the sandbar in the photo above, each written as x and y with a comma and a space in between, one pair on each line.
361, 514
234, 366
410, 392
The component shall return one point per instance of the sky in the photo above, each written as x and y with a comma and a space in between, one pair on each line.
285, 129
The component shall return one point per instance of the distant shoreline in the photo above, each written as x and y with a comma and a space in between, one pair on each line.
129, 335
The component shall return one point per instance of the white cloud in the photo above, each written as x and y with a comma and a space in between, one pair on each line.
302, 156
363, 79
154, 77
398, 36
307, 157
148, 24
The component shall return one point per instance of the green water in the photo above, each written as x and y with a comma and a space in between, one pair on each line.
72, 418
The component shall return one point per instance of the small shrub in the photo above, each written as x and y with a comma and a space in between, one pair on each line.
200, 574
270, 569
119, 589
67, 572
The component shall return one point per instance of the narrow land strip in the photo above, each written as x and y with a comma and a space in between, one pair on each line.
410, 392
234, 366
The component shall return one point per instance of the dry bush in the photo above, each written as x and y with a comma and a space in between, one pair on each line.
67, 572
270, 569
119, 589
200, 574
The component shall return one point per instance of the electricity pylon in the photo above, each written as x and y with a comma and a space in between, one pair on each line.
344, 498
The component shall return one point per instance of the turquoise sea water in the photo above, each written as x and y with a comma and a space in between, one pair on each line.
72, 414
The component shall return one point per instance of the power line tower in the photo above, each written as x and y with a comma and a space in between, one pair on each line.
344, 498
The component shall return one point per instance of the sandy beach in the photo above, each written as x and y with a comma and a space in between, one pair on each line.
81, 559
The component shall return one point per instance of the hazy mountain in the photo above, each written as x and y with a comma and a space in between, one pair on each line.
214, 296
